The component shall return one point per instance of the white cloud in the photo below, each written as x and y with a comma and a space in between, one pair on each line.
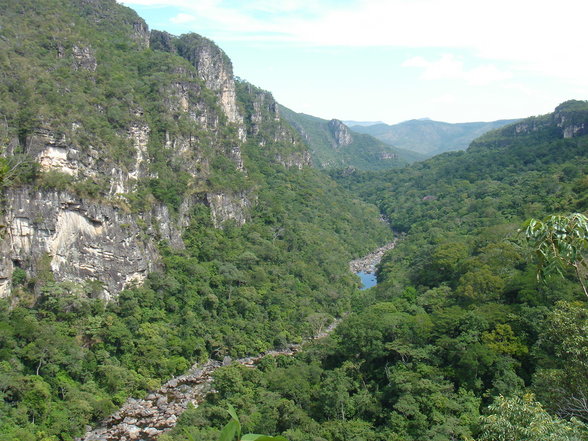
534, 35
450, 68
182, 18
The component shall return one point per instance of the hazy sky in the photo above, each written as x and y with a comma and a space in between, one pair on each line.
393, 60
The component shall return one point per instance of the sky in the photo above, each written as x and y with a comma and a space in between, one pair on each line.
395, 60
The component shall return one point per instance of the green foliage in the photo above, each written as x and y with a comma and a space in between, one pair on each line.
515, 419
457, 321
364, 152
233, 429
560, 242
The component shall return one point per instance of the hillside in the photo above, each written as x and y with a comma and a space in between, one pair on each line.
459, 339
429, 137
155, 212
333, 145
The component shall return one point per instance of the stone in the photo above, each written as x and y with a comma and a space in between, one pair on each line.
340, 132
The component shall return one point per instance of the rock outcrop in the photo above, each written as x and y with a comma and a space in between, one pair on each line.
368, 263
77, 240
126, 172
341, 133
146, 419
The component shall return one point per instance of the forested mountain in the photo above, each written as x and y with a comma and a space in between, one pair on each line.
459, 340
428, 137
155, 212
333, 145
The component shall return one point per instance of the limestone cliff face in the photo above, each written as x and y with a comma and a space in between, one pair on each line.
78, 239
215, 69
202, 117
572, 121
267, 128
212, 65
229, 206
340, 132
569, 120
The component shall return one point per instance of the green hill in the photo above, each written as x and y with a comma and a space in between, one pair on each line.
333, 145
459, 339
155, 213
429, 137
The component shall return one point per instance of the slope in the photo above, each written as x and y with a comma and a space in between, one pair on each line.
333, 145
429, 137
459, 334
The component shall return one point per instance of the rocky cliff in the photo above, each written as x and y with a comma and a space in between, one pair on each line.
568, 120
341, 133
77, 240
130, 133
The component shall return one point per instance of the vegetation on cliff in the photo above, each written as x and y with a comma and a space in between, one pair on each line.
359, 150
94, 90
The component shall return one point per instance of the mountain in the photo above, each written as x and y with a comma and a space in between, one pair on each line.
429, 137
333, 145
156, 212
361, 123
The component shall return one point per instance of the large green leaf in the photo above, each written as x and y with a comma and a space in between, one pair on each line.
229, 431
255, 437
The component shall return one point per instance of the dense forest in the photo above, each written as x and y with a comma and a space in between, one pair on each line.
69, 357
460, 339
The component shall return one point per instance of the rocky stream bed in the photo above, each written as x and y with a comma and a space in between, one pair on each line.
367, 264
145, 419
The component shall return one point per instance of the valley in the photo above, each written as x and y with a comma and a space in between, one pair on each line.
174, 243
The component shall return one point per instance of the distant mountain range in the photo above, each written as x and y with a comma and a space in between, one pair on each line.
429, 137
362, 123
333, 144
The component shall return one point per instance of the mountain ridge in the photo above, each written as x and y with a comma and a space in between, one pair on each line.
334, 145
430, 137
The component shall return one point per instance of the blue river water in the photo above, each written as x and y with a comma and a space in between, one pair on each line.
367, 280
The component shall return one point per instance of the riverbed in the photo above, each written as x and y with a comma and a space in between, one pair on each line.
365, 267
146, 419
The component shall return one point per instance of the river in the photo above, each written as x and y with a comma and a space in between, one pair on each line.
365, 267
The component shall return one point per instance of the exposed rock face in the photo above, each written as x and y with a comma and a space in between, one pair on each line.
84, 58
267, 128
80, 240
228, 206
573, 123
340, 132
569, 120
388, 155
297, 160
140, 33
213, 66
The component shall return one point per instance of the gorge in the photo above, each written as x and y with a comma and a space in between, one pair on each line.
163, 220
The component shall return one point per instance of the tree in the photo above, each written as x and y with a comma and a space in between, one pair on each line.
560, 242
515, 419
